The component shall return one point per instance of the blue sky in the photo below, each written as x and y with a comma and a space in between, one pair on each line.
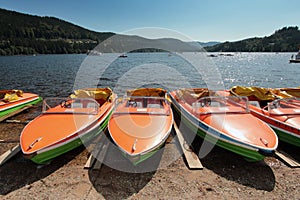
201, 20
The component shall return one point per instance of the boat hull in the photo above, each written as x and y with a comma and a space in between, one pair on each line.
140, 125
214, 136
158, 131
7, 108
137, 159
284, 131
63, 127
295, 61
286, 124
46, 155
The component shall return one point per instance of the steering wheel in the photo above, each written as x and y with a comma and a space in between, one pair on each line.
65, 104
205, 102
132, 103
275, 104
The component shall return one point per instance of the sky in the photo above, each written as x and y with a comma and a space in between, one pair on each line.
197, 20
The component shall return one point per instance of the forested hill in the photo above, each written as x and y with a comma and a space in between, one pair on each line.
286, 39
28, 34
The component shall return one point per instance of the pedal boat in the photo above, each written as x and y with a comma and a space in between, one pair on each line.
66, 123
279, 108
225, 121
141, 123
13, 100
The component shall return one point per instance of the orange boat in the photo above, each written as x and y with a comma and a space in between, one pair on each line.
225, 121
141, 123
66, 123
280, 108
13, 100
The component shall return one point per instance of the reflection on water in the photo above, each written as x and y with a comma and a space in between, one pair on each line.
55, 75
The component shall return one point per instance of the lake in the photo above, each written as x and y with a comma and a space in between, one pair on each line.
58, 75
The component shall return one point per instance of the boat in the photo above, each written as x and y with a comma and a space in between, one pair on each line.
141, 123
66, 123
13, 100
286, 92
295, 58
225, 121
279, 108
123, 55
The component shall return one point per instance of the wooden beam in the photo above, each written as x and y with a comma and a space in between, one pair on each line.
9, 154
14, 113
192, 159
17, 121
101, 155
97, 154
9, 141
90, 162
287, 159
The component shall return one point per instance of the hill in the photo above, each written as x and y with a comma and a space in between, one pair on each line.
286, 39
28, 34
208, 44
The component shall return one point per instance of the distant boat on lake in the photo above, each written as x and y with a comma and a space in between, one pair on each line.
295, 58
123, 55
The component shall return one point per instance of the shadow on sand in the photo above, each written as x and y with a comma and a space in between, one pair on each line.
232, 166
19, 172
291, 150
118, 178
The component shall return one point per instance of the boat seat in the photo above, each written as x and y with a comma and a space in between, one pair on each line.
196, 105
150, 105
92, 105
136, 104
254, 103
76, 105
211, 104
139, 104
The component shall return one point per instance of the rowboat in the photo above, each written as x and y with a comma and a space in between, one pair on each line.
279, 108
225, 121
66, 123
13, 100
141, 123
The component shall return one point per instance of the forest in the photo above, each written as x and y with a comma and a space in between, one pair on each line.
286, 39
28, 34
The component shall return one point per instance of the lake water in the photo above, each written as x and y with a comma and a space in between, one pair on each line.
58, 75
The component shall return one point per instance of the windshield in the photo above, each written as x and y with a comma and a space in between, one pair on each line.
142, 105
68, 105
289, 106
216, 104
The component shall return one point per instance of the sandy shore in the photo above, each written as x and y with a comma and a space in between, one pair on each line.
225, 176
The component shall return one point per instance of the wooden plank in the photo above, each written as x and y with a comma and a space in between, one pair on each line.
17, 121
14, 113
192, 159
101, 155
287, 159
97, 154
91, 160
9, 154
9, 141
